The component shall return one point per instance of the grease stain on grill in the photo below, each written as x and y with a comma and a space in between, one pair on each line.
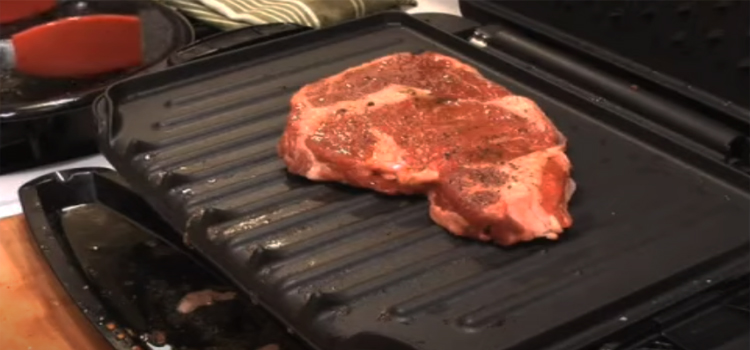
186, 192
245, 225
472, 325
385, 316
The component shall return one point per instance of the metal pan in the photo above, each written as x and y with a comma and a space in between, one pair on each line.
45, 120
351, 269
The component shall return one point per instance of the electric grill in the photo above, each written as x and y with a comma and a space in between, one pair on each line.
661, 211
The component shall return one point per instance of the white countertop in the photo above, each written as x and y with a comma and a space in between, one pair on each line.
10, 183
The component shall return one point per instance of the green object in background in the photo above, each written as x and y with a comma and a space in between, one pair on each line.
233, 14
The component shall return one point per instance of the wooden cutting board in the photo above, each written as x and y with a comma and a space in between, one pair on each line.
35, 311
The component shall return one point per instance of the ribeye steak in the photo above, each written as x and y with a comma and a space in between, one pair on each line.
491, 163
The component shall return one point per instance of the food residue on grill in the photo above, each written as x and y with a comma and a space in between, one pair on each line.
270, 347
193, 301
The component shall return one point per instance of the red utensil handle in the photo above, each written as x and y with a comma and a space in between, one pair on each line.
13, 10
79, 46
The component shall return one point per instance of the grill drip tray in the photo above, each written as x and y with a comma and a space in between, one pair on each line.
129, 281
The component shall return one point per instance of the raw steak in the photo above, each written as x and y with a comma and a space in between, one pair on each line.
491, 163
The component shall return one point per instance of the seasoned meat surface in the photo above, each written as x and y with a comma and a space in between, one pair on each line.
491, 163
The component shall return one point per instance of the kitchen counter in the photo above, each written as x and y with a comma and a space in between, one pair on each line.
36, 311
10, 183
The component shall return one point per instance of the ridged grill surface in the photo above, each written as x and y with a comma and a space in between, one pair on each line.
333, 261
